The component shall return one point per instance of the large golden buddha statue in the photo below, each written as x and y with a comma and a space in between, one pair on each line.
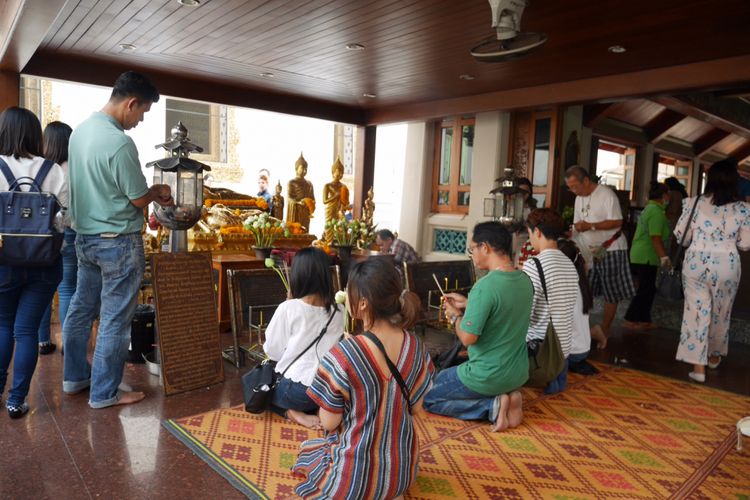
335, 197
301, 197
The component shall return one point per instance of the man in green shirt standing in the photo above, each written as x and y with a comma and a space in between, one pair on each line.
647, 253
107, 195
494, 327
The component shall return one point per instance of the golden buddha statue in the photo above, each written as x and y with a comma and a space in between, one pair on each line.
335, 197
277, 203
301, 197
368, 209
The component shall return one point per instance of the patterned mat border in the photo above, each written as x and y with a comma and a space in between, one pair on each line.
214, 461
250, 490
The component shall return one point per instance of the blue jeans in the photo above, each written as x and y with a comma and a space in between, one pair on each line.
290, 395
450, 397
66, 288
110, 271
559, 383
24, 293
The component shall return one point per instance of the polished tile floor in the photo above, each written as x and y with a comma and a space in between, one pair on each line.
64, 450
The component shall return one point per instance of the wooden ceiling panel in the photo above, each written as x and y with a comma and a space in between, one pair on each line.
730, 144
690, 130
638, 112
415, 50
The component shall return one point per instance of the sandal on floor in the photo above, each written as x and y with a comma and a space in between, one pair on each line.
714, 366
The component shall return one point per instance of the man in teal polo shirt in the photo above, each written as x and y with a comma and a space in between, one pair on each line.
107, 195
494, 327
647, 253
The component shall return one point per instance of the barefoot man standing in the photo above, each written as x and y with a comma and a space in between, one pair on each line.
107, 195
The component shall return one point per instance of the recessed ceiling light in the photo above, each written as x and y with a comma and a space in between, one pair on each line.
369, 95
127, 46
466, 77
267, 75
355, 46
617, 49
189, 3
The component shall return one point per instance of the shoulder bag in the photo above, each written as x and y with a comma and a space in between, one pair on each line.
669, 280
546, 360
258, 384
394, 371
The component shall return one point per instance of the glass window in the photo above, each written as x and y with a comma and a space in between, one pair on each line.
615, 165
541, 151
467, 154
445, 156
453, 157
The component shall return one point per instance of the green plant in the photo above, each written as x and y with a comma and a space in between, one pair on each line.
349, 233
265, 229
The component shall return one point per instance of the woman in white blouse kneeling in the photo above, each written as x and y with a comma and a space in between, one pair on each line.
293, 330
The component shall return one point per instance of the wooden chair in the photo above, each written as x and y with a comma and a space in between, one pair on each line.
453, 276
254, 295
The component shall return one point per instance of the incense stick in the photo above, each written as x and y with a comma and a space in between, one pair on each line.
438, 284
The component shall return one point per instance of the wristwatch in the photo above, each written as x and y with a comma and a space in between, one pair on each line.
453, 318
593, 227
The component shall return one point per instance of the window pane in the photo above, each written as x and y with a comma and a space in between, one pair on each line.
467, 154
683, 171
463, 198
446, 143
629, 179
443, 198
541, 151
540, 199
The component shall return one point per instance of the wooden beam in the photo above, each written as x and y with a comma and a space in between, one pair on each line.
716, 73
675, 104
24, 24
595, 113
98, 72
364, 168
708, 141
659, 126
9, 88
740, 153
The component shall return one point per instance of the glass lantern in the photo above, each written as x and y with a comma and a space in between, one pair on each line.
508, 202
184, 176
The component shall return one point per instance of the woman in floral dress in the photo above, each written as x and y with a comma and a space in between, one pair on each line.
711, 269
370, 449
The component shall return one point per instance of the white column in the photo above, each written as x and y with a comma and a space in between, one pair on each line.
645, 164
417, 184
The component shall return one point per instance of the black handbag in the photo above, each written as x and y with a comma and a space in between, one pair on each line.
669, 280
258, 384
546, 360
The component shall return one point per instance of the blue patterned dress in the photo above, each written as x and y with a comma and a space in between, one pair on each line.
710, 275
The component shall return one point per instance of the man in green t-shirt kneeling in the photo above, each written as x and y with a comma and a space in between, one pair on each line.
492, 323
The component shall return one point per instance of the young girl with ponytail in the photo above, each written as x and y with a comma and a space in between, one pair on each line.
368, 388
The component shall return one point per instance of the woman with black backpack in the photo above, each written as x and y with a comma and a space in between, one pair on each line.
26, 286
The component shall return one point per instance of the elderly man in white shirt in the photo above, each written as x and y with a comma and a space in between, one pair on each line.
598, 221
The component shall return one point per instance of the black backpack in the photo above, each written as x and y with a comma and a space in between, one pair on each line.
28, 237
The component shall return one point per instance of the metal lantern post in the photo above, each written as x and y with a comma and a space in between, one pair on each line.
185, 178
507, 205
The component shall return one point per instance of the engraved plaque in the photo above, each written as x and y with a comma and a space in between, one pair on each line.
187, 322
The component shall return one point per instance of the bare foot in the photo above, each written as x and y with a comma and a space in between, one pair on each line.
501, 422
127, 398
599, 336
309, 421
515, 412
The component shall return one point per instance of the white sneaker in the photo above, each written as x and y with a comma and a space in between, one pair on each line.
697, 377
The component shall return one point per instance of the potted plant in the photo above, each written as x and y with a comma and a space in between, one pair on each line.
265, 230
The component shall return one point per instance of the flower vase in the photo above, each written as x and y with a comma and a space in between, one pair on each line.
262, 252
345, 260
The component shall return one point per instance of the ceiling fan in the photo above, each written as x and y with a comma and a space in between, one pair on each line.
508, 42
